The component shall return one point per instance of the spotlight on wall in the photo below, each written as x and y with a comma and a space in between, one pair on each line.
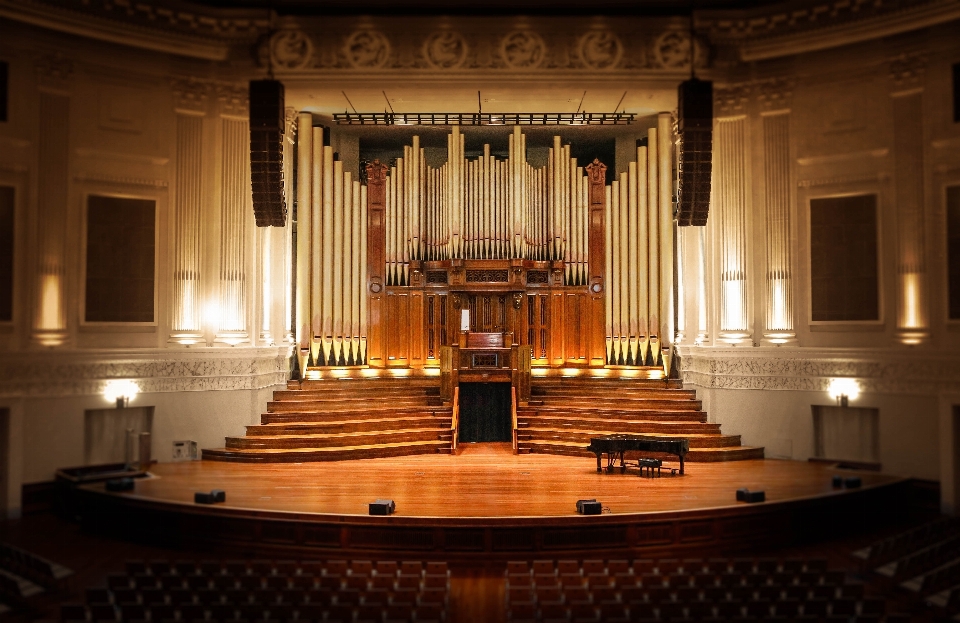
844, 390
120, 392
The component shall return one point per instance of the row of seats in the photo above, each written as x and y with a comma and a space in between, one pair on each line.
908, 541
521, 594
676, 581
667, 566
274, 591
263, 568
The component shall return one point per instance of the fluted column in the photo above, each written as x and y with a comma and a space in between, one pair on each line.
235, 209
186, 302
778, 319
49, 313
730, 210
906, 73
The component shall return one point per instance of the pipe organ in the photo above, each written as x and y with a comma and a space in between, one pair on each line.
578, 269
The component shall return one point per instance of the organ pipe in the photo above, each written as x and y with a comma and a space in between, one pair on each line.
485, 207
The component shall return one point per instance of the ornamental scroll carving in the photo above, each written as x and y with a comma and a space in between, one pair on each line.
290, 49
376, 173
445, 50
671, 50
597, 172
367, 49
600, 49
523, 49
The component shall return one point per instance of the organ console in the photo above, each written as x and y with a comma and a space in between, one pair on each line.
578, 270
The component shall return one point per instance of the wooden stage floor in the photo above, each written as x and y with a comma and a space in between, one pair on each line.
486, 501
486, 480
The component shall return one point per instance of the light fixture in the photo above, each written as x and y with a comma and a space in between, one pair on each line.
484, 118
120, 392
843, 390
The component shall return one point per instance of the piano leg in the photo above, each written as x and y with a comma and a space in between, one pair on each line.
599, 468
623, 466
681, 465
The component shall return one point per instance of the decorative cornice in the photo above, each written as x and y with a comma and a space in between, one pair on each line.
174, 28
190, 95
795, 28
907, 70
731, 100
878, 371
87, 373
844, 180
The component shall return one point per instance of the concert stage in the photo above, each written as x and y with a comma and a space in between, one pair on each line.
486, 504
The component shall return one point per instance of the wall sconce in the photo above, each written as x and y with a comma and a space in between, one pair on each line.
121, 392
844, 390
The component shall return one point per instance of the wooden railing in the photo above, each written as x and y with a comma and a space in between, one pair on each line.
455, 420
513, 415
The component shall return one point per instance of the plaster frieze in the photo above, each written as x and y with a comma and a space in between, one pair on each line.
880, 371
87, 373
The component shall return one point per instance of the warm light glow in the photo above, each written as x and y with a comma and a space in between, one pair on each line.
572, 372
211, 315
911, 315
120, 389
401, 372
50, 303
538, 372
844, 387
313, 375
778, 311
369, 372
431, 371
655, 374
339, 373
734, 317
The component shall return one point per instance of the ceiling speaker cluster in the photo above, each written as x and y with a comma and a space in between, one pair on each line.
266, 152
695, 130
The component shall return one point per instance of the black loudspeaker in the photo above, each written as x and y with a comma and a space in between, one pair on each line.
837, 482
695, 131
214, 497
119, 484
746, 495
382, 507
266, 152
589, 507
852, 482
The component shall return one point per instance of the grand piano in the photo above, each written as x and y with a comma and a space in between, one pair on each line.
615, 446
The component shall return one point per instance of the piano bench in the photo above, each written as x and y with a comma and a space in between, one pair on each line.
650, 464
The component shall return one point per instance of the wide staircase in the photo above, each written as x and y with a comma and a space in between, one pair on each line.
565, 412
339, 419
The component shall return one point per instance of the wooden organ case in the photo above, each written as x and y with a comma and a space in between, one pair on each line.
545, 255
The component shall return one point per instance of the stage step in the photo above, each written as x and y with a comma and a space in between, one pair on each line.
383, 413
698, 455
580, 413
324, 405
352, 439
621, 425
348, 426
582, 437
338, 453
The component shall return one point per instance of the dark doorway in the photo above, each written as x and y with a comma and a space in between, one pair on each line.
485, 412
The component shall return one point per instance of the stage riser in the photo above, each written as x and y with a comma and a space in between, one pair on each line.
609, 403
654, 394
332, 441
697, 534
366, 414
605, 414
326, 454
348, 395
320, 405
331, 428
623, 426
611, 382
583, 437
424, 383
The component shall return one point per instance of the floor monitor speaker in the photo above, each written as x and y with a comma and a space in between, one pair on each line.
589, 507
382, 507
695, 131
266, 152
214, 497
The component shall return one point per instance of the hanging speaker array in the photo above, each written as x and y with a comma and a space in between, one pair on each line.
695, 133
266, 152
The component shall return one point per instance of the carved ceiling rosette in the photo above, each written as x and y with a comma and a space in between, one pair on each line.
290, 49
523, 49
367, 49
600, 49
445, 49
